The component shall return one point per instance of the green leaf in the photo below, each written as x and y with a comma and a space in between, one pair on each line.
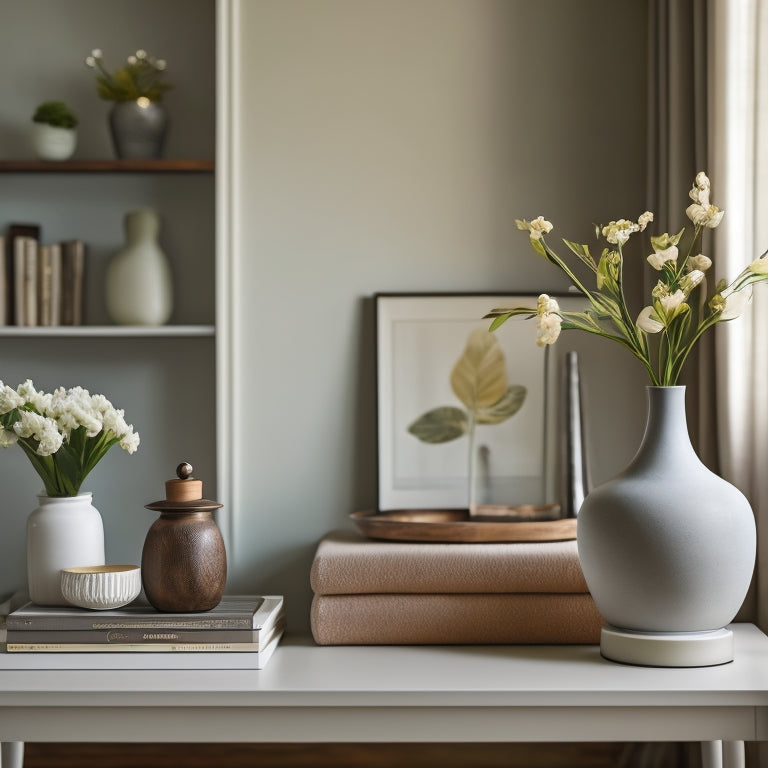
539, 248
479, 377
582, 251
508, 406
499, 320
440, 425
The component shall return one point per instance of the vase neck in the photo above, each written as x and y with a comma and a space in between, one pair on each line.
666, 437
141, 226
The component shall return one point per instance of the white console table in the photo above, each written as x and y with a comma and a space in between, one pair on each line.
405, 694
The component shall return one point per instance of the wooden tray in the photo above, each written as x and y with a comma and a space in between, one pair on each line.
455, 525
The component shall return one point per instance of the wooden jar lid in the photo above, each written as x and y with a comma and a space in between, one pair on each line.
183, 490
183, 493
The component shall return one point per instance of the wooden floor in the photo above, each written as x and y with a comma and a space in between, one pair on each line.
617, 755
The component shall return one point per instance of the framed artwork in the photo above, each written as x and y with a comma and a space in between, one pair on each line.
466, 417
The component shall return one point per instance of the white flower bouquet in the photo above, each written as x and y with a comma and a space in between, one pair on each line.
139, 78
64, 434
679, 312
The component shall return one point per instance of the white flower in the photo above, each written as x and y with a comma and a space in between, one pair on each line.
758, 266
732, 305
130, 441
100, 403
700, 191
548, 321
546, 304
702, 212
704, 215
618, 232
547, 329
700, 261
114, 422
648, 321
691, 280
9, 399
50, 439
672, 302
40, 401
660, 289
538, 227
659, 258
7, 437
644, 220
40, 428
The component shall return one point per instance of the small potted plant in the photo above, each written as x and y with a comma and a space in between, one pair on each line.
137, 120
55, 134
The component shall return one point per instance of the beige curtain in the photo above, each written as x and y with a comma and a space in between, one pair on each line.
677, 150
738, 162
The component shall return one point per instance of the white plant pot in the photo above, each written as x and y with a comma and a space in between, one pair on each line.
63, 532
53, 143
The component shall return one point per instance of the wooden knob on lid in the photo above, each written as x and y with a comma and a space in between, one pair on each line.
183, 487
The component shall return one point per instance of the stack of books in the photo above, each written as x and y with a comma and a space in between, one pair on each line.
40, 284
369, 592
242, 631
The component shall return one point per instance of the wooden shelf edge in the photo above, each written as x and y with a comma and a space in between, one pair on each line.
111, 331
108, 166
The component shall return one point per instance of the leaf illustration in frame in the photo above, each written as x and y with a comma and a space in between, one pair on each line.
479, 378
508, 406
440, 425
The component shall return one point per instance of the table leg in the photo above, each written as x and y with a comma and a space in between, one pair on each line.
12, 754
711, 754
733, 754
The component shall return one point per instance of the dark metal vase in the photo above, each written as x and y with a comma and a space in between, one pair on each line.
138, 129
184, 563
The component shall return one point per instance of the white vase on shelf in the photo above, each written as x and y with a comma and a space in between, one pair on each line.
138, 278
63, 532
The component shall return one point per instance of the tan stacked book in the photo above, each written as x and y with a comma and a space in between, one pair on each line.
369, 592
246, 627
40, 284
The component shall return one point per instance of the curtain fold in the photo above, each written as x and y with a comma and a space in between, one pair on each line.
677, 151
738, 156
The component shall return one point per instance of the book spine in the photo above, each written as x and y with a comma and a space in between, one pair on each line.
133, 648
13, 232
192, 660
19, 295
44, 286
75, 622
55, 256
135, 636
30, 281
72, 278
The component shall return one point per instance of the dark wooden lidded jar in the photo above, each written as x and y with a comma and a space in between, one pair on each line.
184, 563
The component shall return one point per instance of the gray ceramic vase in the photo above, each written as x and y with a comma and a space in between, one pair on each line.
138, 129
667, 545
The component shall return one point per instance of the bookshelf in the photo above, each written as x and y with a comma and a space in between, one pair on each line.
115, 331
164, 377
179, 165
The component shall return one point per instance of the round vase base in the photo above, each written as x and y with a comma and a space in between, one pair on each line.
667, 649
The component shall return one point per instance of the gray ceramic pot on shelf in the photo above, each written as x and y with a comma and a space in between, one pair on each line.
138, 129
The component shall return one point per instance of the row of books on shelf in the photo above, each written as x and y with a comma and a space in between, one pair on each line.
40, 284
241, 632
